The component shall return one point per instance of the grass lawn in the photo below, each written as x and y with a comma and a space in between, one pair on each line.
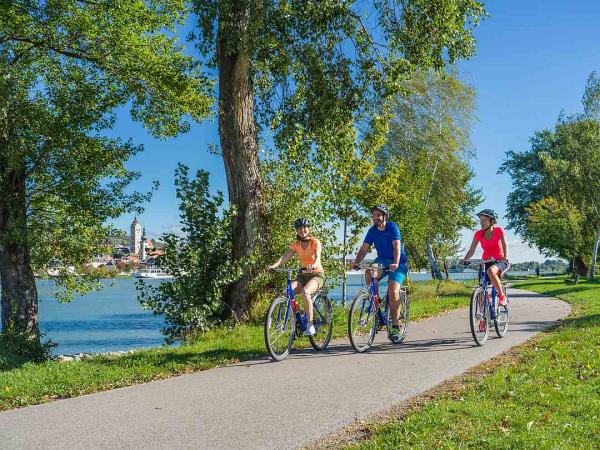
545, 397
37, 383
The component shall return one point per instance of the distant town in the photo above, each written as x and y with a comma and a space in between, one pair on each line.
129, 252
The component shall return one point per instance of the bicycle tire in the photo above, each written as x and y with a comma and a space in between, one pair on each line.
277, 327
323, 315
502, 319
478, 317
404, 306
362, 324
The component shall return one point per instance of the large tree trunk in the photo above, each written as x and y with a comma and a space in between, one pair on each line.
237, 131
595, 255
579, 266
435, 270
344, 255
19, 294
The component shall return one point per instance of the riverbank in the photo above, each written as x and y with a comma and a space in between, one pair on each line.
543, 394
38, 383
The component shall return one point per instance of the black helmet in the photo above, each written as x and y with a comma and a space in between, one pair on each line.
382, 208
302, 222
488, 213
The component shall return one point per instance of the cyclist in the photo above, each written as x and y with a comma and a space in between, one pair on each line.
390, 252
308, 249
493, 242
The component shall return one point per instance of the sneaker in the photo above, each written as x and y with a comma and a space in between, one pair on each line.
395, 336
482, 326
502, 301
310, 330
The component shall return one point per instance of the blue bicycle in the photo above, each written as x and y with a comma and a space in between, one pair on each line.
484, 307
368, 313
285, 321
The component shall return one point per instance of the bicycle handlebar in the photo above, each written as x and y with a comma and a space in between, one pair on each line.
478, 261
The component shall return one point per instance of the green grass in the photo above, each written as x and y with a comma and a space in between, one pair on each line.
546, 397
38, 383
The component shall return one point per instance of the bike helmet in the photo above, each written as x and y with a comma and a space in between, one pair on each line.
488, 213
382, 208
302, 222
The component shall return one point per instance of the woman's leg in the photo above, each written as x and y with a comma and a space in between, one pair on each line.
307, 291
494, 275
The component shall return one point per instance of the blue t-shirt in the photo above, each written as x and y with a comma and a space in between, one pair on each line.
383, 241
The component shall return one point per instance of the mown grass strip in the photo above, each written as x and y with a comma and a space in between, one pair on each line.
37, 383
547, 396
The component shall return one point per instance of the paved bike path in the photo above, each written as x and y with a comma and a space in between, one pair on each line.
260, 404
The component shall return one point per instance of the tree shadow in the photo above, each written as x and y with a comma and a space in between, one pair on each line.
591, 320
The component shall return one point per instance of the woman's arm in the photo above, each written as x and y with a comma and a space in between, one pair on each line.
504, 246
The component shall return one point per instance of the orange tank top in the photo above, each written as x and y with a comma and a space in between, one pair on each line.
307, 255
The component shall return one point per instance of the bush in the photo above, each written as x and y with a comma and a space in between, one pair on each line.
200, 260
17, 349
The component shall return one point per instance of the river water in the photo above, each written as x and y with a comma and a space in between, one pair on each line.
112, 319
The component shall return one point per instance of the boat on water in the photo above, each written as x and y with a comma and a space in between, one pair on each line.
152, 273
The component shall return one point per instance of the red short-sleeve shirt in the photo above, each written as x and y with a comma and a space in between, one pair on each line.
492, 248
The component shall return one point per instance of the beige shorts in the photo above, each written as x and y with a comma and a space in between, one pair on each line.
304, 278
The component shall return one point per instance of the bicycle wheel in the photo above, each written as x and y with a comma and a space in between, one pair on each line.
404, 316
362, 322
478, 317
280, 328
501, 321
323, 315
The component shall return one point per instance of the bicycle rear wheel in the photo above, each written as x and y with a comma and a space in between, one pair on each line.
501, 321
323, 315
362, 322
478, 317
280, 328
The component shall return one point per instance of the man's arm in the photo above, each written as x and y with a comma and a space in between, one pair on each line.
397, 246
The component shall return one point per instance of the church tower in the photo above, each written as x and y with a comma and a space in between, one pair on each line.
135, 237
143, 254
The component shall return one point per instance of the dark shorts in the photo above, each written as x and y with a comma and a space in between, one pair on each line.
502, 265
304, 278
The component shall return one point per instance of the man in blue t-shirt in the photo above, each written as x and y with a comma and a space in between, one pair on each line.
387, 239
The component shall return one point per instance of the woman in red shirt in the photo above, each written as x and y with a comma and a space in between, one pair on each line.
493, 242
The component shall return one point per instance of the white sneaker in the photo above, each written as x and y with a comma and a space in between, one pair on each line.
310, 331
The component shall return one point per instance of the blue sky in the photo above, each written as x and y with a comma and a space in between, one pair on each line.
533, 59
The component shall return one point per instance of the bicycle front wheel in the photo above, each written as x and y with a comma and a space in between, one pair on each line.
362, 322
478, 317
323, 315
280, 328
404, 315
501, 322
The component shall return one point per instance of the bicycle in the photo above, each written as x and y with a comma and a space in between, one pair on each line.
485, 308
285, 321
368, 313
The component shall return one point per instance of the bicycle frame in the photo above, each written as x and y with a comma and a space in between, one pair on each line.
485, 282
289, 292
373, 291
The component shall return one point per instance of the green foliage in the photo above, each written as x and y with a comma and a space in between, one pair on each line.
64, 68
17, 349
554, 203
423, 168
200, 260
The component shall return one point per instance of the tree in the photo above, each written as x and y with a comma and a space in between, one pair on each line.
64, 67
295, 70
591, 106
428, 150
560, 168
199, 260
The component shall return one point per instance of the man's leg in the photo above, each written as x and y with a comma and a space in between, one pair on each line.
393, 295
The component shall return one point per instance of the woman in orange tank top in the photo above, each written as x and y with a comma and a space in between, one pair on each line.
308, 249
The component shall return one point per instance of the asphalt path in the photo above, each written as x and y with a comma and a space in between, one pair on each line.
262, 404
